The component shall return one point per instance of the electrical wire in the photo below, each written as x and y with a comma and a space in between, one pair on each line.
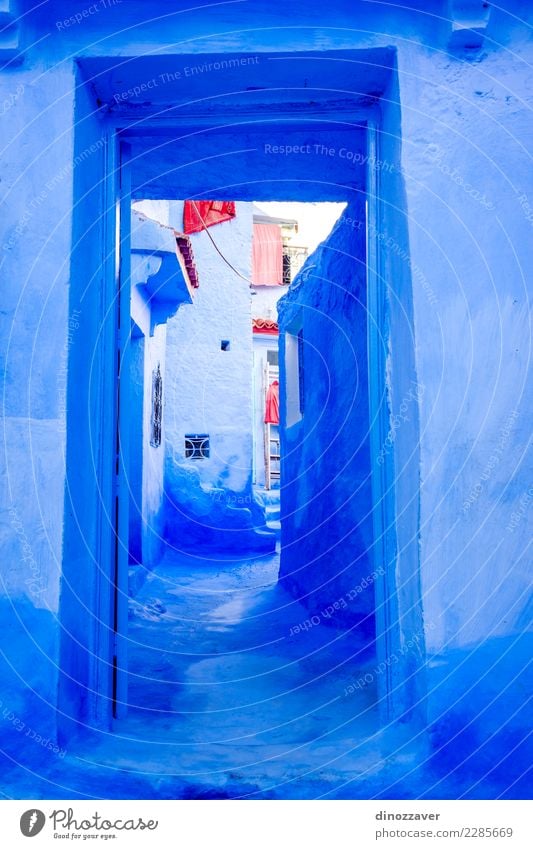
219, 252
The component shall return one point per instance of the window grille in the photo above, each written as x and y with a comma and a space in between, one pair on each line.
197, 446
293, 259
157, 407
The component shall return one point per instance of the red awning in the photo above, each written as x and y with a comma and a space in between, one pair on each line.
267, 255
199, 214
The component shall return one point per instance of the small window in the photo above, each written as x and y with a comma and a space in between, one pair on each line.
197, 446
225, 345
301, 386
272, 358
294, 375
157, 407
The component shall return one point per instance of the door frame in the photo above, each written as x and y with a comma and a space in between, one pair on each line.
122, 442
109, 699
112, 470
388, 638
104, 696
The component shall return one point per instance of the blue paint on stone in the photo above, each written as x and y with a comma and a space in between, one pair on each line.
458, 209
326, 498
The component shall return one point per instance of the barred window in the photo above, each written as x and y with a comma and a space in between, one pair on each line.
197, 446
293, 260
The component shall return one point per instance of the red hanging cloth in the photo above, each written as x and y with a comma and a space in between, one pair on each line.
199, 214
272, 403
267, 255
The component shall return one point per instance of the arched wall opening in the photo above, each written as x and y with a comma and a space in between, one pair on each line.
305, 127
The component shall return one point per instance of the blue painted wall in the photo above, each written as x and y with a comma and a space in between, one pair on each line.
158, 291
209, 503
84, 586
326, 500
463, 250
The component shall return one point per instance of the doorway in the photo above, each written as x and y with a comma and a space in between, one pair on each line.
144, 158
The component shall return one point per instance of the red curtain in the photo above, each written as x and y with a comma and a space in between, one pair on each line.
272, 403
199, 214
267, 255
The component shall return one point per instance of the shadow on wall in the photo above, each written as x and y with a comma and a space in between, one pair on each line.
481, 722
201, 517
28, 714
326, 501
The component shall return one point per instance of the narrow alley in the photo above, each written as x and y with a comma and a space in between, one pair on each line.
235, 692
232, 694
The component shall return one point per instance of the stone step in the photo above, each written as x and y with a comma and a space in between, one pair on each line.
272, 511
275, 526
267, 496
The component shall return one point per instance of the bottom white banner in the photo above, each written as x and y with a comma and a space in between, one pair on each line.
262, 824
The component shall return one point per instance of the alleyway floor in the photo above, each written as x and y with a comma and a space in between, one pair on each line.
226, 703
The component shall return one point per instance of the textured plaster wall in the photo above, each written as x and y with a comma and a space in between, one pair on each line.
465, 172
146, 482
148, 351
88, 546
35, 338
326, 513
153, 457
35, 233
467, 186
396, 455
265, 299
209, 391
468, 199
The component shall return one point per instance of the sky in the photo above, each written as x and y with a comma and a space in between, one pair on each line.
315, 220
